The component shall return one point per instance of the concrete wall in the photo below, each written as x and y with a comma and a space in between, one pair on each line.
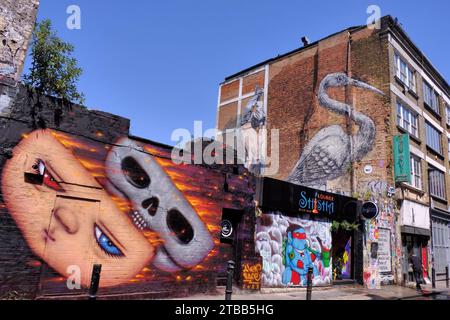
17, 18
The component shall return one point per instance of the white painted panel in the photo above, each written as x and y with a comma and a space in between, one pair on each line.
415, 215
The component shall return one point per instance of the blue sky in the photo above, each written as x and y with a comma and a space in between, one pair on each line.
159, 63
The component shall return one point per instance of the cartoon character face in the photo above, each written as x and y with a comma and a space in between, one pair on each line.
159, 206
68, 233
297, 239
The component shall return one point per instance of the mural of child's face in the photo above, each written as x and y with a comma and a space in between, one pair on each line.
62, 229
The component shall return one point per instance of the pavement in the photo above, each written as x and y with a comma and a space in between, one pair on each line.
342, 292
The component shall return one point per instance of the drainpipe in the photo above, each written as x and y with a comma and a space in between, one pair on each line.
430, 206
348, 97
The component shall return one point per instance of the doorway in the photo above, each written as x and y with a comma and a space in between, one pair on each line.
342, 255
229, 244
414, 245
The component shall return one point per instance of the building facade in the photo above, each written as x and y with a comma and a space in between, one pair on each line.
338, 105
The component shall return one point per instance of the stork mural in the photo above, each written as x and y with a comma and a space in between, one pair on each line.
330, 152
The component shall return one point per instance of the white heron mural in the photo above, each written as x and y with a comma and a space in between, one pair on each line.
329, 153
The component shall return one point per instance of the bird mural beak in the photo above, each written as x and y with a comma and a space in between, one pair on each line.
364, 85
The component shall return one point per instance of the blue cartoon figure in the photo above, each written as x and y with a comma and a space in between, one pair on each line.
299, 257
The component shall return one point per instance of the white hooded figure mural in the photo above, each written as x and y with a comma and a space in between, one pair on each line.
251, 136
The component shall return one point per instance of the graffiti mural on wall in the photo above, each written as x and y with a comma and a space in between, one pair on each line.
251, 134
291, 245
251, 276
329, 153
123, 205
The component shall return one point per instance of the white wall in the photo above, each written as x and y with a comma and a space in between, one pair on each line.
415, 215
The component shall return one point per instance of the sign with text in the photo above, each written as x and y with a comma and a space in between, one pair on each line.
384, 250
402, 160
295, 199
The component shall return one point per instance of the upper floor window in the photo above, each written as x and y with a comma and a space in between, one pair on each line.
437, 183
407, 119
433, 137
430, 97
447, 113
405, 73
416, 172
449, 148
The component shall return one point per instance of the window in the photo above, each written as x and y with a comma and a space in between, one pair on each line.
433, 138
407, 119
449, 148
405, 73
447, 113
437, 183
416, 172
430, 97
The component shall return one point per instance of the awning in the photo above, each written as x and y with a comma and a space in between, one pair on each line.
441, 214
416, 231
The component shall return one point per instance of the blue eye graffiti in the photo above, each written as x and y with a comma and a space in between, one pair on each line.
106, 243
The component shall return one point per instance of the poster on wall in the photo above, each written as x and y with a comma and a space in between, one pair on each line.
384, 250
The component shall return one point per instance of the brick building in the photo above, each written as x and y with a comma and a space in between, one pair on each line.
338, 103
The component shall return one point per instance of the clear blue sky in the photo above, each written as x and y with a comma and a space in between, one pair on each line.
159, 63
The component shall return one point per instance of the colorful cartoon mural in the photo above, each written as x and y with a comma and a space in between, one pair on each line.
291, 245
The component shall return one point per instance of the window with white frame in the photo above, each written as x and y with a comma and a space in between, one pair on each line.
416, 172
437, 183
407, 119
405, 73
433, 137
430, 97
447, 113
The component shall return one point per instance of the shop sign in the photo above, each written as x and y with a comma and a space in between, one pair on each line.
295, 199
402, 162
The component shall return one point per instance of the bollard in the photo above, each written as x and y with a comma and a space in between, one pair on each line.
229, 288
446, 276
95, 280
309, 284
433, 278
405, 279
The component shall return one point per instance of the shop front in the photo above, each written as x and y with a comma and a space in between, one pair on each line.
415, 229
300, 228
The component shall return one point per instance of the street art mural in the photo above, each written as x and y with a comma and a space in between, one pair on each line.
251, 276
291, 245
251, 133
151, 224
329, 153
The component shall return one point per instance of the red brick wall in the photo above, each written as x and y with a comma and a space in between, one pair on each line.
293, 106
